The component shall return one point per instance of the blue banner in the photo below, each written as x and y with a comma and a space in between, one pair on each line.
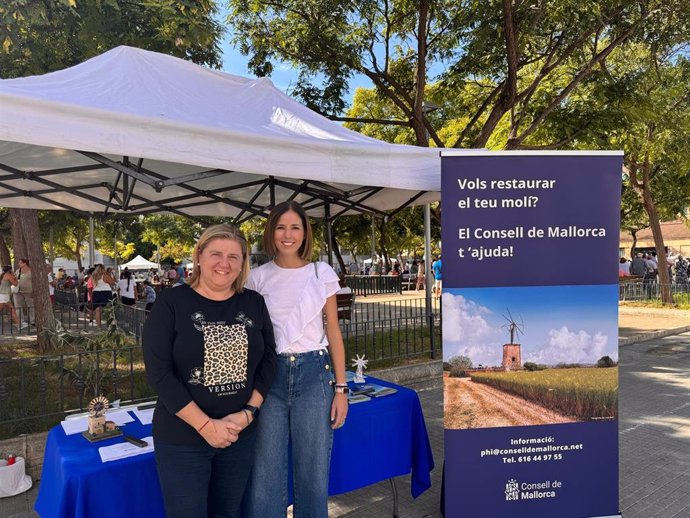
530, 333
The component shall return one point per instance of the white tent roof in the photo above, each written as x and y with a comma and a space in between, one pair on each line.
136, 131
139, 263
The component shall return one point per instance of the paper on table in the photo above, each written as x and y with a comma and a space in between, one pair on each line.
80, 424
144, 416
123, 450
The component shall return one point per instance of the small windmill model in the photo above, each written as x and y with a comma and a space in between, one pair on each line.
361, 364
512, 356
98, 427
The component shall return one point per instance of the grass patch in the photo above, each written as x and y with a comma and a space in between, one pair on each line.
36, 394
583, 393
394, 343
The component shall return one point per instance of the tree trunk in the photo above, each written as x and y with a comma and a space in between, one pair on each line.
655, 225
633, 233
382, 244
643, 188
336, 251
77, 254
5, 257
18, 243
45, 319
418, 125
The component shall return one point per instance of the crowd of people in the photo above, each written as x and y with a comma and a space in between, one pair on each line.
97, 286
646, 266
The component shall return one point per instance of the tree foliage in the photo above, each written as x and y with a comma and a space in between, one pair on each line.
518, 63
45, 35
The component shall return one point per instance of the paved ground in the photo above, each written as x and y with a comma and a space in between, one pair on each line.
654, 434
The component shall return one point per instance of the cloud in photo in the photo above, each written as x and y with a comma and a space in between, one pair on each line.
467, 332
565, 346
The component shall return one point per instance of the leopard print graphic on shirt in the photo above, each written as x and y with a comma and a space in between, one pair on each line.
225, 354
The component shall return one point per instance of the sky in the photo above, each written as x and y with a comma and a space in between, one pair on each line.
571, 324
284, 76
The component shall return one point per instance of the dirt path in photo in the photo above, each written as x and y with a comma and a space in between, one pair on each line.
470, 404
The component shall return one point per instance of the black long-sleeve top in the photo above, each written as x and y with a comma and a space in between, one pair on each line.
214, 353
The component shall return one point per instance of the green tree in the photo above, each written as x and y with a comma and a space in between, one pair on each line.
70, 233
520, 61
173, 236
458, 365
45, 35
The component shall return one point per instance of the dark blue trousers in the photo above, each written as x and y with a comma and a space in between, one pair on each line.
205, 482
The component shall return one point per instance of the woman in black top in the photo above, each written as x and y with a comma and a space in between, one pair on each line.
210, 355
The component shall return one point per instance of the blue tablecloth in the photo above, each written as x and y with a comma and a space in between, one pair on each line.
383, 438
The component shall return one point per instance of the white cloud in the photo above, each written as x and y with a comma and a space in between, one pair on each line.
565, 346
467, 333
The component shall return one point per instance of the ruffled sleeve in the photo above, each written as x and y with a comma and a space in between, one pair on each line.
329, 278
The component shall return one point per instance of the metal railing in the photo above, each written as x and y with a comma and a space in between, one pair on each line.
650, 290
37, 392
374, 284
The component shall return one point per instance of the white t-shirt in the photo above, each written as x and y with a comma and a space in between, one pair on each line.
295, 298
51, 289
122, 286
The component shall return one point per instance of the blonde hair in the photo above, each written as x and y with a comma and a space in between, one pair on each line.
98, 273
222, 231
305, 248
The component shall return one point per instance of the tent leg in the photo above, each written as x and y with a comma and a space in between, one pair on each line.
329, 235
427, 274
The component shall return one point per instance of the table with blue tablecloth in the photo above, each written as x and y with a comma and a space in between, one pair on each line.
383, 438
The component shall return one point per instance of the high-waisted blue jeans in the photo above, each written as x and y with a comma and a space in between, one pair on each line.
297, 411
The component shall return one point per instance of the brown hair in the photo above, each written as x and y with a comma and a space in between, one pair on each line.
305, 248
222, 231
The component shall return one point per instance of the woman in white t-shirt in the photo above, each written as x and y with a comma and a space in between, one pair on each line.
305, 403
102, 291
128, 289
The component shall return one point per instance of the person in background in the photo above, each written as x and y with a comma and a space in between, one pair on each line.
149, 295
436, 267
421, 276
210, 355
638, 266
682, 271
81, 275
623, 267
127, 289
180, 272
172, 276
7, 280
304, 406
52, 282
102, 292
24, 298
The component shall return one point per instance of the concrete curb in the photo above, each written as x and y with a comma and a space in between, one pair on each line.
643, 337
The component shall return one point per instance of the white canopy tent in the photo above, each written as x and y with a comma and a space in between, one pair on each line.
137, 132
139, 263
134, 131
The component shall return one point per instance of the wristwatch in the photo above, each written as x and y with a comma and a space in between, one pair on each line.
342, 389
253, 409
